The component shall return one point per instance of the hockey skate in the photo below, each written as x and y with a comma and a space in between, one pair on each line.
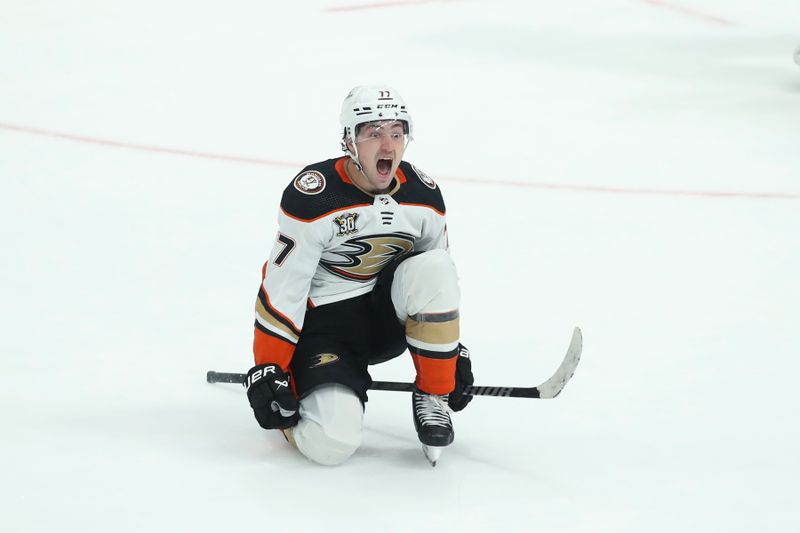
433, 424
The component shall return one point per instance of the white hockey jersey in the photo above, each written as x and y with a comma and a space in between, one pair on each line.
333, 240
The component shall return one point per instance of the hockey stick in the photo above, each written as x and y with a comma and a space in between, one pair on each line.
548, 389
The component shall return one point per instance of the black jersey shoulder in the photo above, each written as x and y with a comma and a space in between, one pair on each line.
318, 189
419, 189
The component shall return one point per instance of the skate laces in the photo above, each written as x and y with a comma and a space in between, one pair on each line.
432, 409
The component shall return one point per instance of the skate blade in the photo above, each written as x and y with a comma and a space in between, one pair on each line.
432, 453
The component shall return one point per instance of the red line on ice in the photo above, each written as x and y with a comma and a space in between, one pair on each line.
689, 11
380, 5
478, 181
144, 147
628, 190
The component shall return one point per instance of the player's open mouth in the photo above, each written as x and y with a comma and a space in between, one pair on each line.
384, 166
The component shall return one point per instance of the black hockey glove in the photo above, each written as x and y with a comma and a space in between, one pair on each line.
464, 378
271, 397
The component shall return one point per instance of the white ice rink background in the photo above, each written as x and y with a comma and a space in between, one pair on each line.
627, 166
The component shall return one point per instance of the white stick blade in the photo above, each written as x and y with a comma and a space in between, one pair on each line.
553, 386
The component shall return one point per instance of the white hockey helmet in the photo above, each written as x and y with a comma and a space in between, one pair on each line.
368, 103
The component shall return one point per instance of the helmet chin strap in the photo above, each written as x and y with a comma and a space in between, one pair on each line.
360, 168
354, 154
354, 157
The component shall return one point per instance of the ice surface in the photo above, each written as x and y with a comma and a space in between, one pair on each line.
627, 166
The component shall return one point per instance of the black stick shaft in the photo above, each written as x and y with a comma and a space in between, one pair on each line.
550, 388
398, 386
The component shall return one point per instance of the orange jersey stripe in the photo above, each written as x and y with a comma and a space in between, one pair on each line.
401, 176
341, 171
345, 208
423, 205
269, 349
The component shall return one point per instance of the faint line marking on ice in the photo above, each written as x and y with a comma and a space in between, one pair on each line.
629, 190
689, 11
143, 147
478, 181
381, 5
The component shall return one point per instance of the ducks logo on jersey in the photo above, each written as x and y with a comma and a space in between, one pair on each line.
366, 256
324, 359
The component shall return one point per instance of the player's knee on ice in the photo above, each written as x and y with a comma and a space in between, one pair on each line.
425, 283
329, 431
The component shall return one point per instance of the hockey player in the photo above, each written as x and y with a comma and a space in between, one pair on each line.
359, 272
